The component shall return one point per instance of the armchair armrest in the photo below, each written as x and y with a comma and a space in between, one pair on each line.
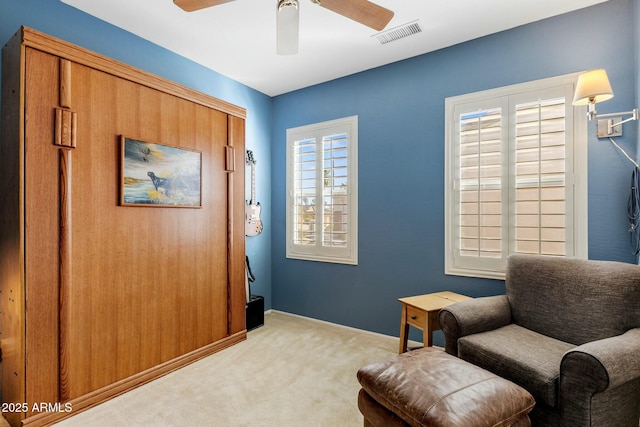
595, 367
471, 317
605, 363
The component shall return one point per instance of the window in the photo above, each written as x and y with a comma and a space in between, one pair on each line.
322, 189
516, 176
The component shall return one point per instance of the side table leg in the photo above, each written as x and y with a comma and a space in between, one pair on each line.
404, 331
431, 326
427, 340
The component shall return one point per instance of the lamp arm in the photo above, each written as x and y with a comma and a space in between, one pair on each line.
633, 112
611, 125
634, 116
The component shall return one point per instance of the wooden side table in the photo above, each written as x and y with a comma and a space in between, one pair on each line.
422, 312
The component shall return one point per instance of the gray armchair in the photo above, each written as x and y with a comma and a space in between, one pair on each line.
567, 330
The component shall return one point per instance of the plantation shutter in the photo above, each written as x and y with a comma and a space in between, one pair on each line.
540, 180
322, 187
480, 187
512, 179
335, 191
481, 183
305, 189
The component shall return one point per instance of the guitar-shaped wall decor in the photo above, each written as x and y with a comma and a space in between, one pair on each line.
252, 221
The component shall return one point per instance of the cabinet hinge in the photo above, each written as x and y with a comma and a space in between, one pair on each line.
230, 159
66, 128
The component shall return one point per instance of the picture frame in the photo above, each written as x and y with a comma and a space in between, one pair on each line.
158, 175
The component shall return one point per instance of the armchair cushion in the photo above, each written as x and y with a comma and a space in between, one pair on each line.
520, 355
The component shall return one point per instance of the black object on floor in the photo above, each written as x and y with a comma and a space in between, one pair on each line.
255, 312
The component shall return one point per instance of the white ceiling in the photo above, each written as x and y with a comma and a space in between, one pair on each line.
238, 39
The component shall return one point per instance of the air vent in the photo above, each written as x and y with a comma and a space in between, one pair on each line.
398, 33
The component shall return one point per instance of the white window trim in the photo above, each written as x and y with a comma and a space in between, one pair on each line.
579, 209
347, 255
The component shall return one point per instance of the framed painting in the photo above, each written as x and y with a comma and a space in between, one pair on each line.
159, 175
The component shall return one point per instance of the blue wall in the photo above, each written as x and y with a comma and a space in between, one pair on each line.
62, 21
401, 162
401, 125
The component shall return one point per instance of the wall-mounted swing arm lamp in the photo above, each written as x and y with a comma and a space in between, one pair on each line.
593, 86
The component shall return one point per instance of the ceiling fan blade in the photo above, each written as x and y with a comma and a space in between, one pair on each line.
362, 11
287, 24
192, 5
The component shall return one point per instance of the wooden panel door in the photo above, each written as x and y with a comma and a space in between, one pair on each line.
137, 286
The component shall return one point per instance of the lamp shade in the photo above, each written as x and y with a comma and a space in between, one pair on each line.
593, 86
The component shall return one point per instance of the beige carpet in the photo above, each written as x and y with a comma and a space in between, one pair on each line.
291, 372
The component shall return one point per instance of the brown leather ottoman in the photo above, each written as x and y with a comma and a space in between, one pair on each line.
428, 387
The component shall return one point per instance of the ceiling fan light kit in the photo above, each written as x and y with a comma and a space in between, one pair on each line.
287, 27
287, 16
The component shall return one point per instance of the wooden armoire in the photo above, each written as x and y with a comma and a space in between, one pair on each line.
98, 297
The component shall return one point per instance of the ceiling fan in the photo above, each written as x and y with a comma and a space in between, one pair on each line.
362, 11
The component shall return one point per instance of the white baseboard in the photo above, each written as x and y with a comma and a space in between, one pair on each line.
377, 334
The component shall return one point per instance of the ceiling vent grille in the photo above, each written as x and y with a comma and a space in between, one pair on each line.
398, 33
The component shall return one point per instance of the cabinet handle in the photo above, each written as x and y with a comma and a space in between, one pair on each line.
414, 317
